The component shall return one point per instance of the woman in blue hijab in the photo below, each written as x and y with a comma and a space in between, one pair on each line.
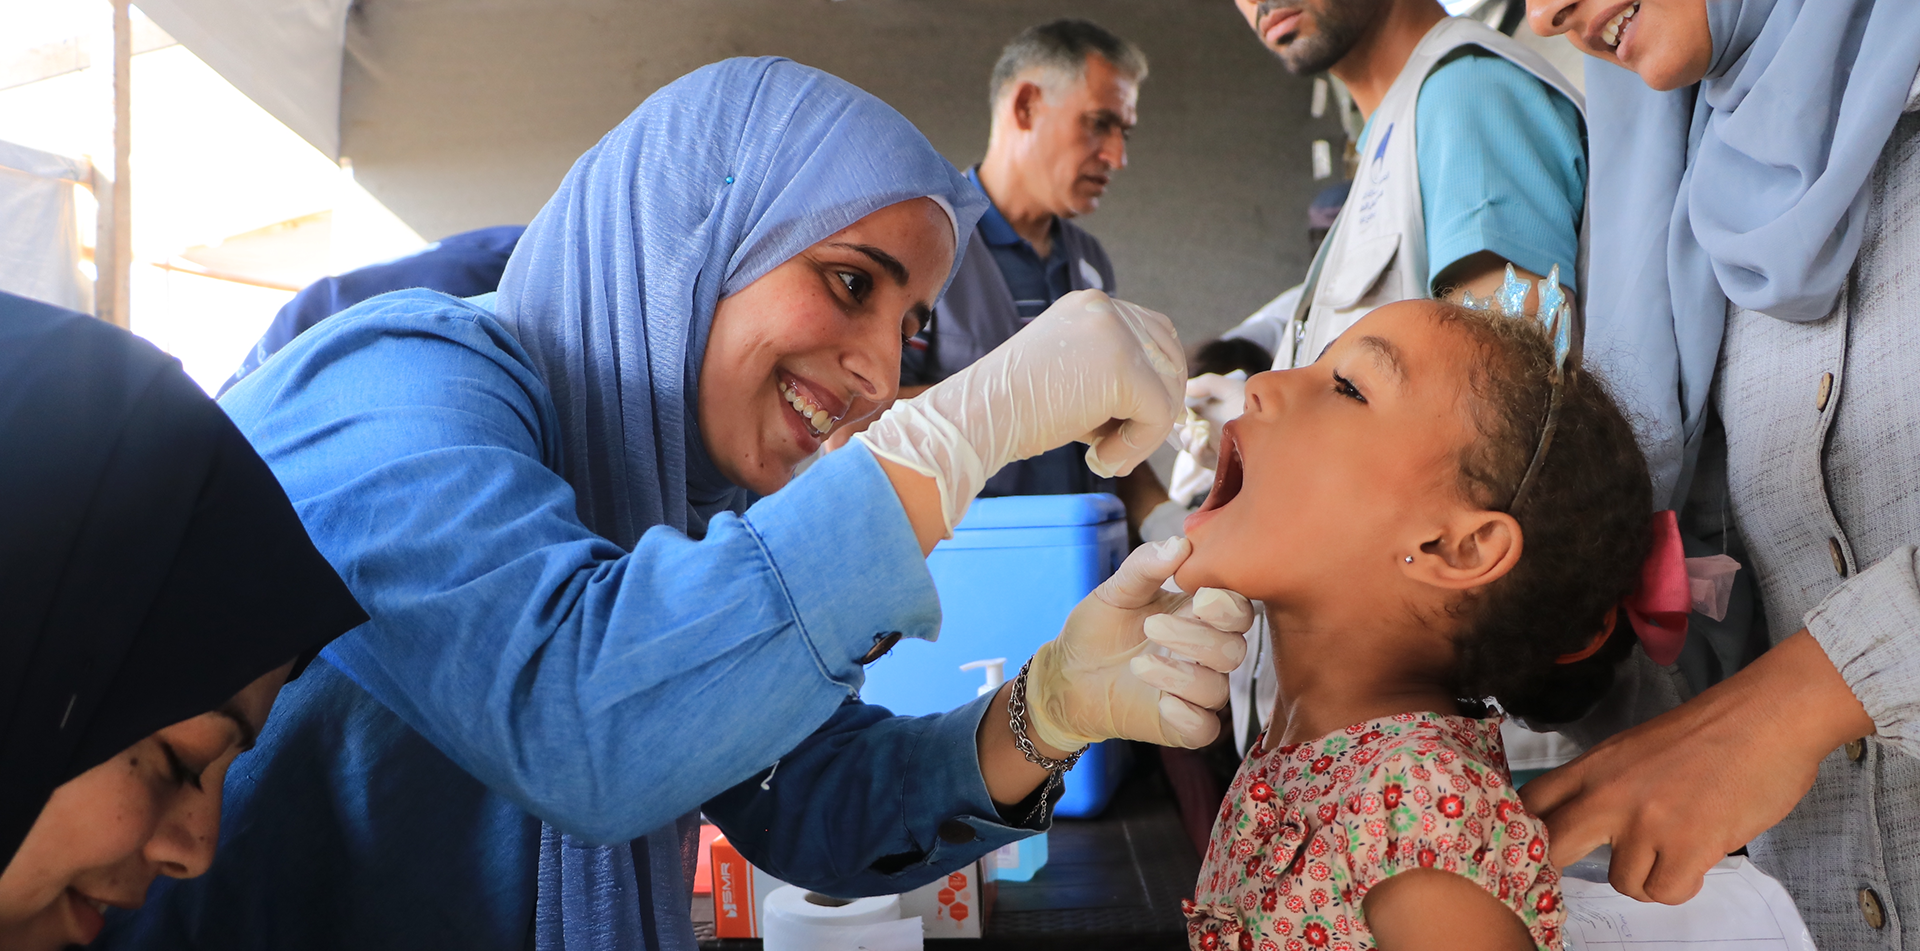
1756, 222
585, 630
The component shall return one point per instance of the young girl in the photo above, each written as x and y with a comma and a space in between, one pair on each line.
1374, 500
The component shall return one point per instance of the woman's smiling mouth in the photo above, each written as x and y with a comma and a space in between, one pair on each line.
1613, 31
801, 399
88, 915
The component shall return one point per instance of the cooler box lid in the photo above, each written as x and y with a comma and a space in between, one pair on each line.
1042, 511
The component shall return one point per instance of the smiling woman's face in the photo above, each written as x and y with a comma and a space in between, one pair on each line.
104, 836
1665, 41
816, 341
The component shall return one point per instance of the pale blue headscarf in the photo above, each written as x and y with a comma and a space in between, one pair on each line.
1747, 187
715, 180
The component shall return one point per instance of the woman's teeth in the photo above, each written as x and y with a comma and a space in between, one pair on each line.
1610, 34
814, 415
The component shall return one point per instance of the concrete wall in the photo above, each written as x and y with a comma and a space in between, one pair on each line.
464, 113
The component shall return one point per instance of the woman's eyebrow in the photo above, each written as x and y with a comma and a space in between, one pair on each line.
887, 262
247, 732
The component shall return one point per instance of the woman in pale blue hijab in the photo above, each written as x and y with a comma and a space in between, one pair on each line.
1752, 294
585, 630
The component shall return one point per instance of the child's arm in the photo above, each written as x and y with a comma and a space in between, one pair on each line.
1427, 909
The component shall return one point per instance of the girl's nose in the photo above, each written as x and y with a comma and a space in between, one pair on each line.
1263, 392
1549, 17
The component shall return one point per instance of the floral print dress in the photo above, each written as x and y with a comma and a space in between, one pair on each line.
1308, 829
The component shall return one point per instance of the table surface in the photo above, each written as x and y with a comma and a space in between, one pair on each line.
1112, 883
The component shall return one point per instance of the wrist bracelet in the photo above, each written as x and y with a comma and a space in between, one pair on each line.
1017, 720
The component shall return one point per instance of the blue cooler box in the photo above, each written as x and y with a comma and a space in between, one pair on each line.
1012, 572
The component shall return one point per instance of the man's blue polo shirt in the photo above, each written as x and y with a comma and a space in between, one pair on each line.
1035, 283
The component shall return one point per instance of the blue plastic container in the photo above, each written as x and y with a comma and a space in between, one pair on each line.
1012, 572
1017, 861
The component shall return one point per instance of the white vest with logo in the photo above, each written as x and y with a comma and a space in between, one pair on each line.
1376, 252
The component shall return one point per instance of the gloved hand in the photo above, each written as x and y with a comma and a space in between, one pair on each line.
1102, 678
1213, 400
1091, 369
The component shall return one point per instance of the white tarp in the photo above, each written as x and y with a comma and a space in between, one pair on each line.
39, 238
283, 54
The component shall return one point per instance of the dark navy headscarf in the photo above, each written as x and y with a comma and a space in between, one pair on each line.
150, 564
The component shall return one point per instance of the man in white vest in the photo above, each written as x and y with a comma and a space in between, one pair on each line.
1473, 157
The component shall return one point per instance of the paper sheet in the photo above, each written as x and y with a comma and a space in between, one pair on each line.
1739, 908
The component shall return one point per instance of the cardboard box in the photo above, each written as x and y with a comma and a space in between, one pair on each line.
956, 906
738, 891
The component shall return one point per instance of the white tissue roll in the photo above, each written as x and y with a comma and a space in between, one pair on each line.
794, 922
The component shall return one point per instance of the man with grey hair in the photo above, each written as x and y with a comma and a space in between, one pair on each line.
1063, 96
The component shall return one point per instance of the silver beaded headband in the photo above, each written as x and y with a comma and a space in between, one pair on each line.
1555, 316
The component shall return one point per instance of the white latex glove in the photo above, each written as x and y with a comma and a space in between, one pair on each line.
1213, 400
1109, 673
1090, 369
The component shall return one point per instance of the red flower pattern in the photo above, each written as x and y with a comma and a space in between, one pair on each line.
1308, 829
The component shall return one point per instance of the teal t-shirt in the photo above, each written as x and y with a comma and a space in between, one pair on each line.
1503, 166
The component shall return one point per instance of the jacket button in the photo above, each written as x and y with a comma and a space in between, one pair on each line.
1870, 909
882, 643
1826, 391
1857, 750
955, 832
1839, 557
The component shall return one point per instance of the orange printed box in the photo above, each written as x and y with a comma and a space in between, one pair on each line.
955, 906
738, 890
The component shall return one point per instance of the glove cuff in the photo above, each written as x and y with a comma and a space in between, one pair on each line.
1046, 701
910, 435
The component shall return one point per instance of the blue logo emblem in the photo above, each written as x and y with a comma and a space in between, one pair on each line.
1377, 166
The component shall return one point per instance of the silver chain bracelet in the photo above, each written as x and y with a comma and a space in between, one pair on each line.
1017, 719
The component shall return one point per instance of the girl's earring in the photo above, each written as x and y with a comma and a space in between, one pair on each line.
1409, 559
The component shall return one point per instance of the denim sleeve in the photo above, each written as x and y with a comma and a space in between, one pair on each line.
605, 691
891, 804
1503, 166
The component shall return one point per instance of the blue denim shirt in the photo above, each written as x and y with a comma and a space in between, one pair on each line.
517, 665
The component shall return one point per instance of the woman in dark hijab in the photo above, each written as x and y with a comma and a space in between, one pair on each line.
156, 589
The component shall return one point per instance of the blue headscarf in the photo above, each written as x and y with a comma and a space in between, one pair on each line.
715, 180
1748, 187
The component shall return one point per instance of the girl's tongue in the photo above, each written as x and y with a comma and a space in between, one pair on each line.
1226, 479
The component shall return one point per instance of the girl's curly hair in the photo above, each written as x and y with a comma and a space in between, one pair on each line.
1584, 525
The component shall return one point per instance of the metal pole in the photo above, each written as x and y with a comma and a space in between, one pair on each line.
113, 248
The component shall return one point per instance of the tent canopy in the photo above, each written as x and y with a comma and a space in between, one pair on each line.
459, 114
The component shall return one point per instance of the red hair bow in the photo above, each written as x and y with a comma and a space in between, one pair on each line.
1671, 587
1658, 608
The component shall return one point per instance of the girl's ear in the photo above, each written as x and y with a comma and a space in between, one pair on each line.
1477, 549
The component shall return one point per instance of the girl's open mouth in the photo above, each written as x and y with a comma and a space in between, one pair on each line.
1227, 477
